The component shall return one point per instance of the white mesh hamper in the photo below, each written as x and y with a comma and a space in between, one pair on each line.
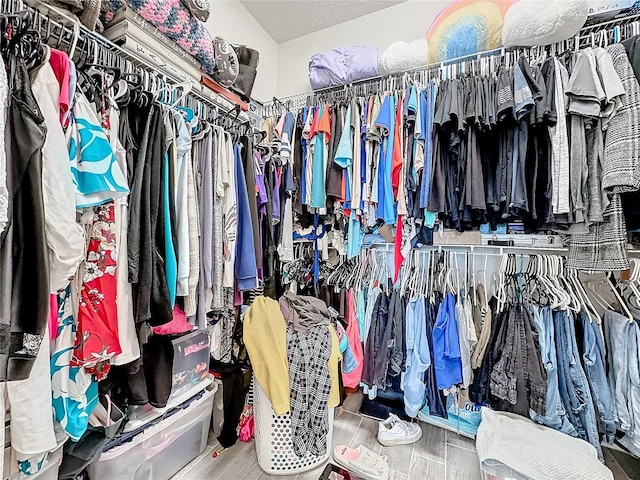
273, 439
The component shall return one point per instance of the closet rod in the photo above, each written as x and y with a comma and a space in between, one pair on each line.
82, 34
583, 37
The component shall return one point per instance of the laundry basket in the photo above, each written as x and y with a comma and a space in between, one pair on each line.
273, 439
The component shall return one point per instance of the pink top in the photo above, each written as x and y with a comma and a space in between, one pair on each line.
60, 63
352, 379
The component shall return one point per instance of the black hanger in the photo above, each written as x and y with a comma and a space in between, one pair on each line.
236, 109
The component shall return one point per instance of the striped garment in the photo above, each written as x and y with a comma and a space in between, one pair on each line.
173, 19
621, 162
604, 248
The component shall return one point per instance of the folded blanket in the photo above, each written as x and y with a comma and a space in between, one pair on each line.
511, 446
173, 19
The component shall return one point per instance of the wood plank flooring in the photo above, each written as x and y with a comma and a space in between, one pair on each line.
439, 455
426, 459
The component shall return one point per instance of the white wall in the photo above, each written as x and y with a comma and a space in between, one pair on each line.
231, 21
406, 21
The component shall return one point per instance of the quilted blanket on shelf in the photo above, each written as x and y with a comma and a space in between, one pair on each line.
173, 19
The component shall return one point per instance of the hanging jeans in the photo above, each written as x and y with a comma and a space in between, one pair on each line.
617, 335
518, 379
595, 369
418, 356
622, 339
436, 401
555, 414
632, 439
396, 344
574, 388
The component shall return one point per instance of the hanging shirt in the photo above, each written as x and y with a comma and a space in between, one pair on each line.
446, 345
97, 176
229, 212
183, 145
428, 107
560, 145
245, 266
384, 122
60, 63
352, 379
356, 178
323, 134
65, 237
309, 132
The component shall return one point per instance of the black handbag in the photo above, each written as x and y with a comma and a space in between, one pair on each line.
248, 59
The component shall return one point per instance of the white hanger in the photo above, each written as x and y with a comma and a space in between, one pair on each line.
622, 303
186, 88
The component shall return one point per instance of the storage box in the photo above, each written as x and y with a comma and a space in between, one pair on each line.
190, 361
163, 449
49, 470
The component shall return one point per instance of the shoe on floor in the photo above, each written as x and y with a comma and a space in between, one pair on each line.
362, 462
394, 431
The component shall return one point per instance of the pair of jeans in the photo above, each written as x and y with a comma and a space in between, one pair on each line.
623, 340
632, 439
518, 379
418, 356
555, 415
574, 388
595, 369
436, 401
375, 369
617, 337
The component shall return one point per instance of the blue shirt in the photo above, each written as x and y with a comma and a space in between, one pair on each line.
384, 123
245, 266
446, 345
171, 260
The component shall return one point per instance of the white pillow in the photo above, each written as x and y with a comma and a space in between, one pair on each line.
540, 22
401, 56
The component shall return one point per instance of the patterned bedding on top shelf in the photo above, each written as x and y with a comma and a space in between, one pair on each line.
173, 19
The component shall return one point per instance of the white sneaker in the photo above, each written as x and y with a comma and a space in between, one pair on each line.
394, 431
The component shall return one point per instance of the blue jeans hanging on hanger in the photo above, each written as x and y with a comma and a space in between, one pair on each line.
574, 388
595, 369
555, 414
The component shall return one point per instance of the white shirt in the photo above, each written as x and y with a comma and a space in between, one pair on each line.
65, 237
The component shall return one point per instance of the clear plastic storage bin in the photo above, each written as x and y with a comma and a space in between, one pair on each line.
162, 450
274, 448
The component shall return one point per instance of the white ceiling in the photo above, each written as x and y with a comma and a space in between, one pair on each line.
288, 19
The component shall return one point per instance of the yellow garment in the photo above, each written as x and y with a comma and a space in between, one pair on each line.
265, 336
334, 372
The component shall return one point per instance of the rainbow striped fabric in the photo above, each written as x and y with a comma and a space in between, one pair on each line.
466, 27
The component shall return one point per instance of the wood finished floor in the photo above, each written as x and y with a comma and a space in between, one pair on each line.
439, 455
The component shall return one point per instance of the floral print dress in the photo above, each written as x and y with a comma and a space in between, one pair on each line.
97, 336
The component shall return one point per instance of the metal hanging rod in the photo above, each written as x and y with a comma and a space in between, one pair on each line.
77, 37
588, 35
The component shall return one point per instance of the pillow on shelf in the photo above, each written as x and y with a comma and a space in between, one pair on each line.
402, 56
470, 26
466, 27
341, 66
526, 24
